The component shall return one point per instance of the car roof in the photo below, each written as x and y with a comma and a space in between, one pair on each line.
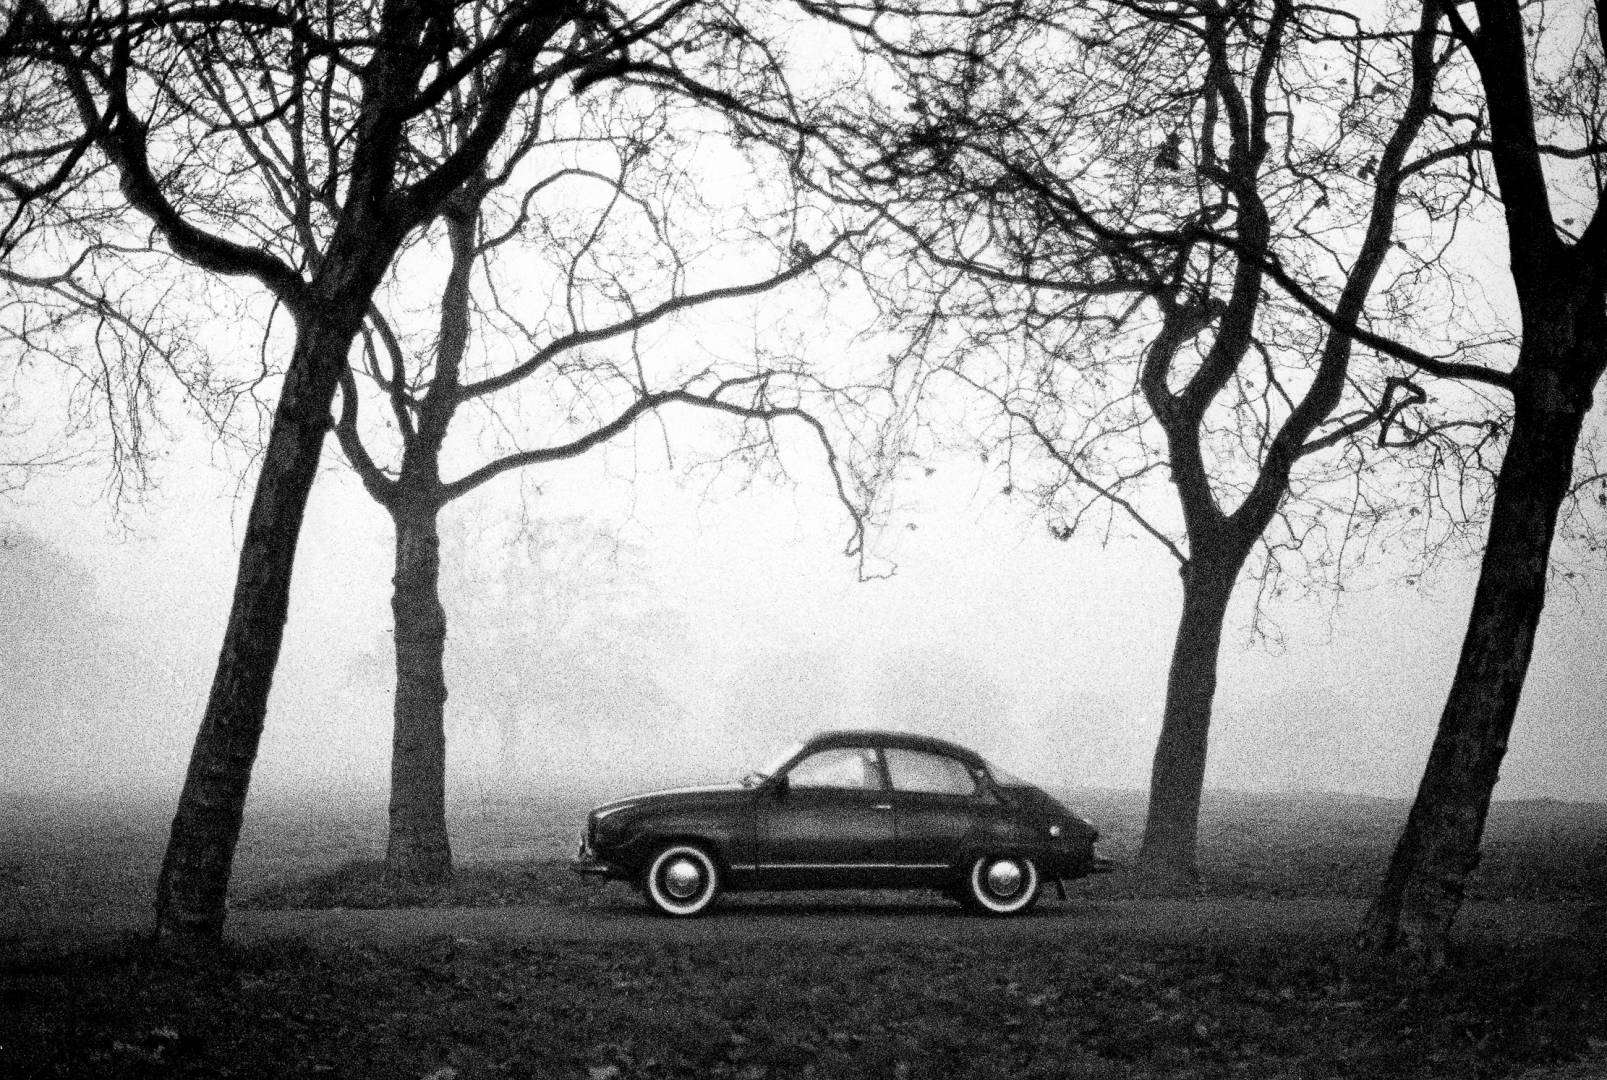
902, 740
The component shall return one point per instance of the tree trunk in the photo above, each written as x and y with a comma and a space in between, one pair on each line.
418, 852
192, 889
1439, 846
1168, 857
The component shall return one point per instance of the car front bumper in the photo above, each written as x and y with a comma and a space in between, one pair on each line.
595, 867
587, 864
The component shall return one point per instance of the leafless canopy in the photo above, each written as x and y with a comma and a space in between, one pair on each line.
1130, 216
239, 138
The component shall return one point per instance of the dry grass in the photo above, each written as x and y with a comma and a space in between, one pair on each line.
514, 850
454, 1009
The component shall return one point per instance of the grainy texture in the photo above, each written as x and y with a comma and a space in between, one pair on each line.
942, 1007
1252, 981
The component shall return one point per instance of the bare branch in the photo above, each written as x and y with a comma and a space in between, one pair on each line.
576, 339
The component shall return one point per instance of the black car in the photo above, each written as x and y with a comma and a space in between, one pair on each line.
846, 809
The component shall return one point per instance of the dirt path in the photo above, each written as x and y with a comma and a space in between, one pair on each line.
1205, 921
1160, 922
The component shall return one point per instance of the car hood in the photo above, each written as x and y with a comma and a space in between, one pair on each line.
682, 796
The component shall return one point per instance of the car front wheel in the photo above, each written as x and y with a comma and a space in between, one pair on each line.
681, 881
1001, 885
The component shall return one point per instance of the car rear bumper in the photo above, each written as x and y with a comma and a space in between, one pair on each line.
1081, 864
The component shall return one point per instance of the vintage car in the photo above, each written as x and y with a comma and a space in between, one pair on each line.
849, 810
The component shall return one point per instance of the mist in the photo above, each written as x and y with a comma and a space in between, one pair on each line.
615, 633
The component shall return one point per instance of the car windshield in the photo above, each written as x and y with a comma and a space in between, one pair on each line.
769, 768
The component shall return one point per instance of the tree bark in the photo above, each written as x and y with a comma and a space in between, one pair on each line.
192, 888
419, 852
374, 219
1439, 846
1560, 285
1168, 857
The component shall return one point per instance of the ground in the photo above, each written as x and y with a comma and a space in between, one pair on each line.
521, 970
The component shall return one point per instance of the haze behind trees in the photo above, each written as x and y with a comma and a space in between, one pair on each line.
610, 219
209, 812
1104, 294
1491, 85
1049, 656
346, 133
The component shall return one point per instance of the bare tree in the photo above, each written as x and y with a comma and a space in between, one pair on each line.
83, 367
1539, 103
623, 262
22, 461
1099, 194
282, 146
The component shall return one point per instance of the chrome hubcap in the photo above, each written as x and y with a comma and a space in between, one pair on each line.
683, 878
1004, 878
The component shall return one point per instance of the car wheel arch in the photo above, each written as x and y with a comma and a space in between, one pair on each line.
656, 842
1008, 845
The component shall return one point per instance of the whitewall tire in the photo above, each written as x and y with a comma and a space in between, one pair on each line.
681, 881
1001, 884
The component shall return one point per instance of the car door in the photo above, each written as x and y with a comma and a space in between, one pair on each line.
830, 823
938, 801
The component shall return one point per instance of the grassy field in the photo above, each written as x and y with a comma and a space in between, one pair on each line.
511, 850
458, 1008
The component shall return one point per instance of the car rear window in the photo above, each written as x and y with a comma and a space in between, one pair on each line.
915, 770
1004, 776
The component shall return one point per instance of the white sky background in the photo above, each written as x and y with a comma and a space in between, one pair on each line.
1050, 655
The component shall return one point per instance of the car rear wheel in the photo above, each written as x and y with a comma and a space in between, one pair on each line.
681, 881
1001, 885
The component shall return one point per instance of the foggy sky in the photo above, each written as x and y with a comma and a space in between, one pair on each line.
1050, 656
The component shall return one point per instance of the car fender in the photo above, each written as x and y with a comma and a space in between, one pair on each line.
643, 836
998, 834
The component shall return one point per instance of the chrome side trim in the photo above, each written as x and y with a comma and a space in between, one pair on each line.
850, 866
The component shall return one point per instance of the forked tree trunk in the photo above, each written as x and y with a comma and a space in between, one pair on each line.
1168, 857
193, 885
192, 888
418, 852
1439, 846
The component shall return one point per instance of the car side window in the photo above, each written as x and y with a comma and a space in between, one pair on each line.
840, 767
937, 774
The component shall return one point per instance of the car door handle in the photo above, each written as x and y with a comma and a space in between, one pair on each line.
883, 806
